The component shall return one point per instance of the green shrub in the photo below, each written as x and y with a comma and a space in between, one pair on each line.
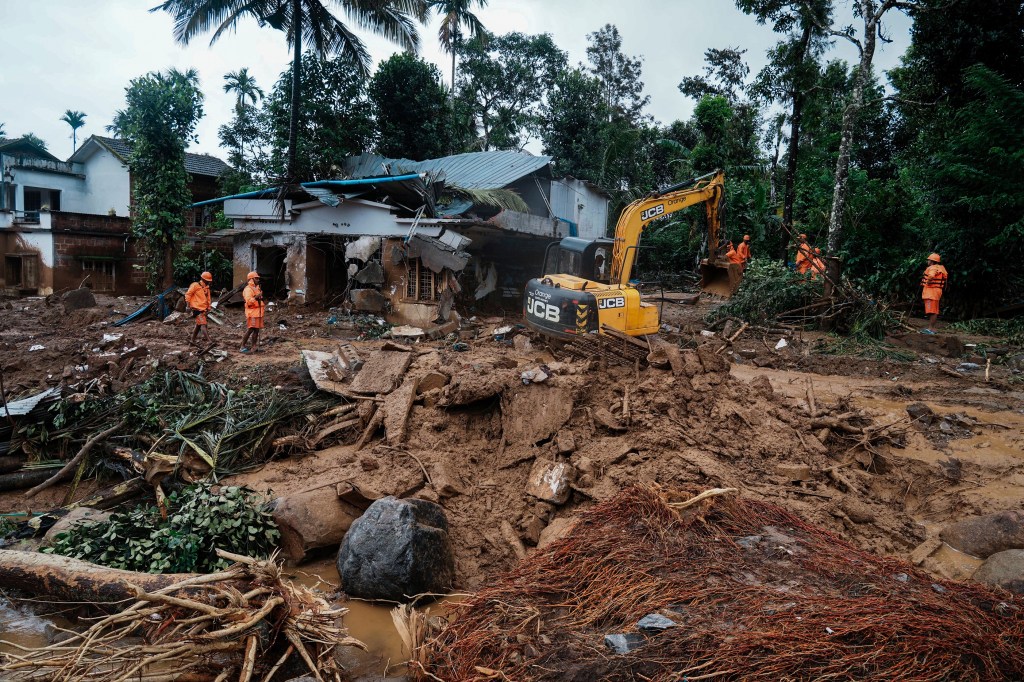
768, 288
201, 519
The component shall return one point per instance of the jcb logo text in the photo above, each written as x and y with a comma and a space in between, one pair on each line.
542, 310
606, 303
653, 212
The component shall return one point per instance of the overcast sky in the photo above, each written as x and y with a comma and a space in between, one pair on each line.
80, 54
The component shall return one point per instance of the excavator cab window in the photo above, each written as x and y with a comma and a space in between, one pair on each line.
584, 258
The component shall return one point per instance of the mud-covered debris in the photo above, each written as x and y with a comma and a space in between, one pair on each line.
983, 536
532, 414
535, 375
473, 384
550, 481
606, 419
312, 520
921, 413
396, 412
555, 530
565, 442
77, 299
382, 372
368, 300
445, 481
794, 472
431, 381
1003, 569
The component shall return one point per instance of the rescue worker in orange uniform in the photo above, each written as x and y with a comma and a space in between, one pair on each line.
816, 265
744, 250
803, 255
932, 284
733, 255
254, 308
197, 299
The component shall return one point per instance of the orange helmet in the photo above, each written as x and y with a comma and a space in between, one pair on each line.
934, 258
207, 276
746, 237
817, 251
253, 275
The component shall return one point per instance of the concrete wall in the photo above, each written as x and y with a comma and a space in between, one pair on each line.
533, 195
107, 186
71, 187
577, 201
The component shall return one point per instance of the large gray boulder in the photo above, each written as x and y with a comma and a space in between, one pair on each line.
77, 299
983, 536
1003, 569
396, 550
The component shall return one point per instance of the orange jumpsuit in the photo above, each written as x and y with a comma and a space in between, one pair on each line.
734, 256
198, 298
253, 306
815, 266
932, 283
744, 250
803, 257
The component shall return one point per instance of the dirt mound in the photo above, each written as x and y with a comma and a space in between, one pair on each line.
728, 588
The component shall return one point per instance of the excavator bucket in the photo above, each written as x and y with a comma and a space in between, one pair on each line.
720, 279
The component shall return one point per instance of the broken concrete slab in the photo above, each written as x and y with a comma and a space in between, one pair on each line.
368, 300
565, 443
445, 480
382, 372
551, 481
396, 412
325, 370
373, 273
534, 413
431, 381
606, 419
472, 385
794, 473
555, 530
311, 520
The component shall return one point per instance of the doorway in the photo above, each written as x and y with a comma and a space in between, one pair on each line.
270, 263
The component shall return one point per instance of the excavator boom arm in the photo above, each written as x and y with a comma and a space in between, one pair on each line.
706, 189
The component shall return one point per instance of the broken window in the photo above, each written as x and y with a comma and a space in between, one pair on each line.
421, 284
102, 274
21, 271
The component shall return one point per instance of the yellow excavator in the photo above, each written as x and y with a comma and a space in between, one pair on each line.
593, 289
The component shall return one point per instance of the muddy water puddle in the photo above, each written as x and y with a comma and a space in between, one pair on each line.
368, 622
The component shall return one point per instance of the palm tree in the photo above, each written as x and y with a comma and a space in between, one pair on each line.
2, 131
75, 119
456, 14
308, 20
244, 86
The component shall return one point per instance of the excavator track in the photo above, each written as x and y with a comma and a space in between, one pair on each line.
612, 345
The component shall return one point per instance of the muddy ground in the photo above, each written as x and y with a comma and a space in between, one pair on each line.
736, 418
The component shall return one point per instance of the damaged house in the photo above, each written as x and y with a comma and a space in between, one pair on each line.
65, 223
404, 239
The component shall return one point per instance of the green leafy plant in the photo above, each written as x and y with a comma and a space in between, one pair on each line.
768, 288
1010, 329
200, 519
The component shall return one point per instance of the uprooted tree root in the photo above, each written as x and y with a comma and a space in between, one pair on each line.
791, 602
201, 628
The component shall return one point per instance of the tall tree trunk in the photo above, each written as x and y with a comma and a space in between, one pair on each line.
795, 118
293, 123
850, 115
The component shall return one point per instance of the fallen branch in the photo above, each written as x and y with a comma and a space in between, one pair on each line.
73, 463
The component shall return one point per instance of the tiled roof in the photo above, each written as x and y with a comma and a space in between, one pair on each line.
196, 164
475, 170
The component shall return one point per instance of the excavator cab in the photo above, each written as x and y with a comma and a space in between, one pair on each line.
584, 258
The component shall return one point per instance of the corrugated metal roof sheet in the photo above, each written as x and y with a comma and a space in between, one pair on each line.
475, 170
20, 408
